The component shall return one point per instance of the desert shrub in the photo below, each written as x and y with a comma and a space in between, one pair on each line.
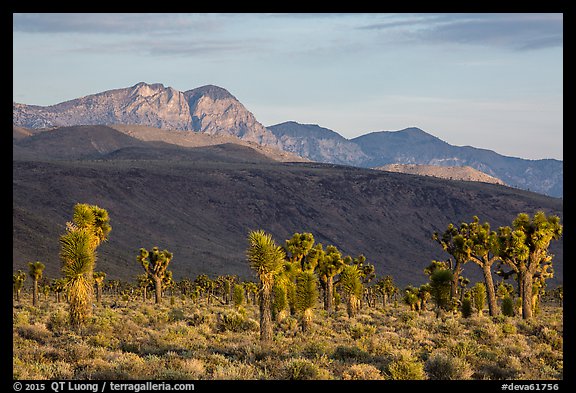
463, 349
304, 369
362, 371
176, 314
405, 368
441, 366
57, 321
351, 354
508, 329
21, 317
316, 349
36, 332
235, 321
104, 341
235, 371
359, 330
289, 326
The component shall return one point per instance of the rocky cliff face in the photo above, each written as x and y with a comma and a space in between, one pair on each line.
215, 111
208, 109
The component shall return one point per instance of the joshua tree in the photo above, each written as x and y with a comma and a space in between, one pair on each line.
484, 251
352, 288
306, 297
58, 285
18, 280
440, 285
88, 229
330, 263
479, 297
238, 295
525, 250
385, 286
265, 258
298, 248
99, 278
456, 245
155, 264
35, 272
144, 281
411, 298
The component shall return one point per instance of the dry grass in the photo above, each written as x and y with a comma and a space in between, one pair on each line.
188, 341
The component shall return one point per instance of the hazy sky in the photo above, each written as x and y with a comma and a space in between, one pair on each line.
492, 81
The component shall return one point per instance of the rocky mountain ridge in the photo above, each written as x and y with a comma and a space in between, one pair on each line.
214, 111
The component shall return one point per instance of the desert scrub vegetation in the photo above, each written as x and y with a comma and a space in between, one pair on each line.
193, 341
314, 314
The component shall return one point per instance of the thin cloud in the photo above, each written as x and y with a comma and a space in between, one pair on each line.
512, 31
114, 23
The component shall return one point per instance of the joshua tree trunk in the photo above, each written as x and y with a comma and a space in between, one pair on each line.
329, 295
35, 293
306, 320
265, 311
527, 298
158, 288
491, 294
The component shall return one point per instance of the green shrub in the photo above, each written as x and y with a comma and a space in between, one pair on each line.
441, 366
176, 314
508, 328
353, 354
234, 321
508, 306
406, 369
466, 308
57, 321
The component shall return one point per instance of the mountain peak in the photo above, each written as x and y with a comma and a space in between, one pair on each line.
212, 91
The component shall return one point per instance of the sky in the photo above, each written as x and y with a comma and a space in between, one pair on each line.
492, 81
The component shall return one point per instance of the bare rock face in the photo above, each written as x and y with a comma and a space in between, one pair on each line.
215, 111
208, 109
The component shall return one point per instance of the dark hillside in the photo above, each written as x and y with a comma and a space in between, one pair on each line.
202, 210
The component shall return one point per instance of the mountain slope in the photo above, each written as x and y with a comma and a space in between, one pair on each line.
201, 209
414, 146
317, 143
465, 173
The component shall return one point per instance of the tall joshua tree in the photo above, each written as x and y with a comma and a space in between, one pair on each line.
306, 297
352, 287
35, 272
88, 229
457, 245
155, 264
330, 263
525, 250
265, 258
484, 251
18, 280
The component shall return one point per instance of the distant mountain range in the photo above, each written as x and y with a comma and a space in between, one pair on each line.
214, 111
